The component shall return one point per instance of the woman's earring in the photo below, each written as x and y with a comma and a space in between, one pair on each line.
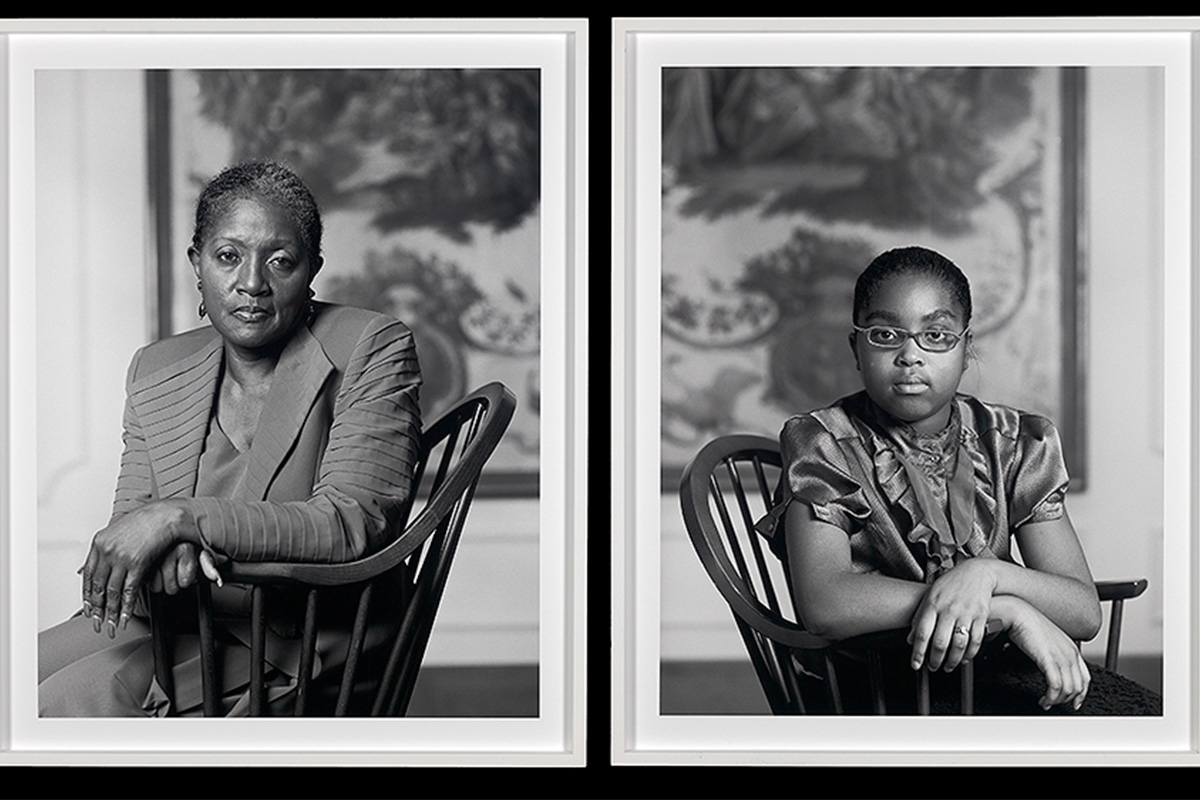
202, 310
312, 309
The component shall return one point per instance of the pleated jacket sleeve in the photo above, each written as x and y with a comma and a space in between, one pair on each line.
135, 483
362, 481
364, 478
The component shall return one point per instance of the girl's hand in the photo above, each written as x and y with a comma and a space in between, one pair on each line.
951, 620
1054, 653
121, 557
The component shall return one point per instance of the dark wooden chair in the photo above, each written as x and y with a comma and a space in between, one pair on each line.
724, 491
402, 584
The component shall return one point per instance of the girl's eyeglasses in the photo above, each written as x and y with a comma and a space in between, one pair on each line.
933, 340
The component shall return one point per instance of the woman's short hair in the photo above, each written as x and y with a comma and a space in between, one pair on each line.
268, 181
912, 260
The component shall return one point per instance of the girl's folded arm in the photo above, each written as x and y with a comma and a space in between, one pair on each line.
1055, 578
832, 599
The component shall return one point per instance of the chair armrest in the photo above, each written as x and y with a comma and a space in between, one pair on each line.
1117, 592
1120, 590
880, 640
897, 637
457, 486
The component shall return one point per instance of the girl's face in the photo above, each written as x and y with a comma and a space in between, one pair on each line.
255, 273
913, 385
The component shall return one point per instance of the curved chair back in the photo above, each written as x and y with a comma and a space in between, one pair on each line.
409, 573
725, 489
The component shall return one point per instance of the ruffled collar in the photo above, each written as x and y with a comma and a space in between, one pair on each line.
943, 526
941, 444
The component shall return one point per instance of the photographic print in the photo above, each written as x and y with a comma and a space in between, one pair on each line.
384, 244
767, 171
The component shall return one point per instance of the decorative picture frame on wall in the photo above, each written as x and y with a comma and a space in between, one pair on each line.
781, 183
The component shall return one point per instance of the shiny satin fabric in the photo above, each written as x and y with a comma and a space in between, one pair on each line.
991, 470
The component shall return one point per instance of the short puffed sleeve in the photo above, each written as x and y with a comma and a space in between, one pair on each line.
817, 472
1039, 476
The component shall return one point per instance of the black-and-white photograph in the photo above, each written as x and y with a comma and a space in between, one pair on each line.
903, 393
852, 165
400, 153
298, 435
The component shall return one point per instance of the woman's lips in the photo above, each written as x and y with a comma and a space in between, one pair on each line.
251, 313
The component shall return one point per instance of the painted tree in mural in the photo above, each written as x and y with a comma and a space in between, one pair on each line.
421, 147
896, 147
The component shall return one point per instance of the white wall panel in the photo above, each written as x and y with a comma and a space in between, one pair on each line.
91, 287
489, 613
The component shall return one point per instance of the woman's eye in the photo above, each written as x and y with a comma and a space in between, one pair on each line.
282, 262
885, 335
227, 256
936, 336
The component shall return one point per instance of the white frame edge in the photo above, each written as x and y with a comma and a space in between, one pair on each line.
626, 638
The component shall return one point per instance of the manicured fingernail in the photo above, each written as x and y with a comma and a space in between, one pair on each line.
87, 608
124, 621
96, 623
112, 628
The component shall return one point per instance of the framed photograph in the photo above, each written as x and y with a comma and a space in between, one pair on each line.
445, 157
758, 171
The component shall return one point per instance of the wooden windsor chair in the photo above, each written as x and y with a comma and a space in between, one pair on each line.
724, 491
410, 573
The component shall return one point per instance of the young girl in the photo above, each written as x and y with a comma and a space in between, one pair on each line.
909, 495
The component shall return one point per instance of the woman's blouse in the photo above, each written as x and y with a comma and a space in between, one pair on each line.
222, 471
914, 504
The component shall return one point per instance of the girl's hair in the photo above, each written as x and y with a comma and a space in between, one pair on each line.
267, 181
912, 260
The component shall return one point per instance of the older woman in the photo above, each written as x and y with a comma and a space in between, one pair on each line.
285, 430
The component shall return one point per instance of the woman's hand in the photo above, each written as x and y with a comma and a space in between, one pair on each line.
1054, 652
122, 556
950, 623
177, 570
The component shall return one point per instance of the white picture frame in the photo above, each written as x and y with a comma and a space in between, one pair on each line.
641, 734
557, 47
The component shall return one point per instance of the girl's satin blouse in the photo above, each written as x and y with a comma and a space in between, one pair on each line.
855, 466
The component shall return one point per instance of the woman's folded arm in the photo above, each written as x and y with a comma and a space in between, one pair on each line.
362, 485
365, 477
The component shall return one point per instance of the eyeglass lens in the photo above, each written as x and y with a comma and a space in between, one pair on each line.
934, 340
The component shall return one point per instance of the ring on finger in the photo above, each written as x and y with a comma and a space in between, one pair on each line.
962, 630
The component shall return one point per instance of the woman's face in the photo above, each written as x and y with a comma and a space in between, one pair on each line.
255, 273
911, 384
